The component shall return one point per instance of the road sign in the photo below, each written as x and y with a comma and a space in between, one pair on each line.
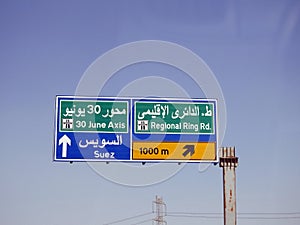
92, 129
132, 129
174, 130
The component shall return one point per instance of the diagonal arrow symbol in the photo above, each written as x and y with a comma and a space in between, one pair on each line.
189, 149
64, 141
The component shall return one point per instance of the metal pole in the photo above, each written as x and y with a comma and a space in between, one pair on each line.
228, 161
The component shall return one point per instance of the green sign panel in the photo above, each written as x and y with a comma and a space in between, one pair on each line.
94, 116
174, 117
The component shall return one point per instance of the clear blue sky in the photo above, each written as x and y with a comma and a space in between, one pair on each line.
253, 49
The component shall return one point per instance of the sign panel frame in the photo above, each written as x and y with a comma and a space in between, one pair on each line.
178, 130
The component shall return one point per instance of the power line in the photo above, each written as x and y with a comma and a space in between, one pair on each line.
144, 221
254, 216
160, 209
214, 215
269, 213
240, 213
195, 213
197, 216
129, 218
239, 217
269, 218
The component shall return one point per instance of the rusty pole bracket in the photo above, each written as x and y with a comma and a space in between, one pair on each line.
228, 161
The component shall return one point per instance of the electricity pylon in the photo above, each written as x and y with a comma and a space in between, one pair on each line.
160, 208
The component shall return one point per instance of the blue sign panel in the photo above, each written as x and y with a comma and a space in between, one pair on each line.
92, 129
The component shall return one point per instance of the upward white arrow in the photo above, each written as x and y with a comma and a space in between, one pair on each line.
65, 141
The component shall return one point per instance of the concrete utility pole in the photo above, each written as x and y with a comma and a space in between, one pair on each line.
229, 162
160, 209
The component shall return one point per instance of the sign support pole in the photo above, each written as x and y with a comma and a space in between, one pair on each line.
228, 161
